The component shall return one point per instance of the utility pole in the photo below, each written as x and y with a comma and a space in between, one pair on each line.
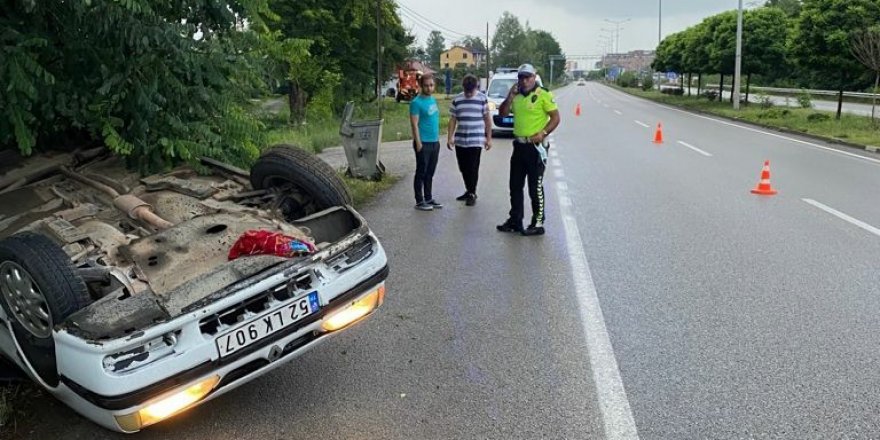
487, 57
737, 70
379, 97
617, 24
659, 22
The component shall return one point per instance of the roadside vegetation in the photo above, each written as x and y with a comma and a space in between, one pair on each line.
810, 44
850, 128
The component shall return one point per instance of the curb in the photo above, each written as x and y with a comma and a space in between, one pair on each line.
830, 140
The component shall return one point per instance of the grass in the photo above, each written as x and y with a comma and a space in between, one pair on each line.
850, 128
317, 135
362, 191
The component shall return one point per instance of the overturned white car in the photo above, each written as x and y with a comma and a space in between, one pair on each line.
119, 296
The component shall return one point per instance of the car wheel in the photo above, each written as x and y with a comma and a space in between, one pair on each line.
39, 289
303, 184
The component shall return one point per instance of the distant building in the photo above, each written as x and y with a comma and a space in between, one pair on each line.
457, 55
633, 61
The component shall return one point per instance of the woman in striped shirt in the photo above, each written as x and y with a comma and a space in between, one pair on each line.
470, 130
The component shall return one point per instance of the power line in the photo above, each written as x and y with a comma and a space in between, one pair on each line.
441, 27
427, 27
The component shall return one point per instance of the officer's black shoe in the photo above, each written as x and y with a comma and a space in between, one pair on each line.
533, 230
463, 197
510, 226
471, 200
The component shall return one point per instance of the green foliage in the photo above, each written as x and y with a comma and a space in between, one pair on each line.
804, 100
434, 47
648, 82
764, 100
509, 44
627, 79
818, 117
821, 42
132, 75
340, 53
774, 113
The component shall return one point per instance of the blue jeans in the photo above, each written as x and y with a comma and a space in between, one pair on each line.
426, 164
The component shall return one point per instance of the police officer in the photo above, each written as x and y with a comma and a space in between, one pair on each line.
535, 116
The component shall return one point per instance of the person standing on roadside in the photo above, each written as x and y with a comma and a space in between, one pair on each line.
535, 116
424, 118
470, 130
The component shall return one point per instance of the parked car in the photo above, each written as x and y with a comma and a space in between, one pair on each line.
499, 86
119, 295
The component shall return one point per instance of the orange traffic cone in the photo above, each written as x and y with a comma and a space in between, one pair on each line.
764, 187
658, 134
577, 110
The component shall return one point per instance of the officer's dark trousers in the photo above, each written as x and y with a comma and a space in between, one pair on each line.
469, 165
426, 164
526, 164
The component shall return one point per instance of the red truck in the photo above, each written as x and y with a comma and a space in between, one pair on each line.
408, 79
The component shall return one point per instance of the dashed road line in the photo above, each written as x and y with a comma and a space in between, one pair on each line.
618, 112
642, 123
695, 148
843, 216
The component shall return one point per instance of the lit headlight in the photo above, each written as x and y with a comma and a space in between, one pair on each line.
356, 310
167, 406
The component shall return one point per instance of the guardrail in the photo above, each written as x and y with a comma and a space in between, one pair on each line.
797, 91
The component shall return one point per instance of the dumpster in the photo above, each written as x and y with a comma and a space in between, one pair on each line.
360, 140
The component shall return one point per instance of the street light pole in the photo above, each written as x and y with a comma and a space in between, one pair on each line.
737, 70
659, 22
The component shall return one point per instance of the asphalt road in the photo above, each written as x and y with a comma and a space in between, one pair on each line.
665, 302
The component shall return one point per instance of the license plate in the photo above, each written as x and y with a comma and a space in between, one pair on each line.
507, 120
267, 324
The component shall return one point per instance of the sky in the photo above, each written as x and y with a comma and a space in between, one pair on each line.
577, 24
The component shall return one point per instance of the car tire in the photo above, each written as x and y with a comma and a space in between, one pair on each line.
33, 265
304, 183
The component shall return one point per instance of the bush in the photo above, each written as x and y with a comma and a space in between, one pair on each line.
672, 90
647, 83
818, 117
628, 79
764, 100
774, 113
711, 95
804, 99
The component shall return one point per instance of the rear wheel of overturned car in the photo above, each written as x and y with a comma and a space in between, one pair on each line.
303, 184
39, 289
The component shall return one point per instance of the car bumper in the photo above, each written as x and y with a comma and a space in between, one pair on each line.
119, 400
499, 125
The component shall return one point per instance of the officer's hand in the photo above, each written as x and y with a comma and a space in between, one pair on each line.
537, 138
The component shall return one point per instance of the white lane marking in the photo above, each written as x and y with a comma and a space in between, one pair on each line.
755, 130
845, 217
642, 124
618, 112
695, 149
605, 105
617, 416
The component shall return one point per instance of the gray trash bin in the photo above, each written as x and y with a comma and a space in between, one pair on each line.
361, 143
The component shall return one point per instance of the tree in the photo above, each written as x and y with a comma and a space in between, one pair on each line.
822, 40
722, 51
543, 45
434, 47
509, 44
695, 46
866, 49
474, 43
158, 82
765, 36
791, 8
341, 60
